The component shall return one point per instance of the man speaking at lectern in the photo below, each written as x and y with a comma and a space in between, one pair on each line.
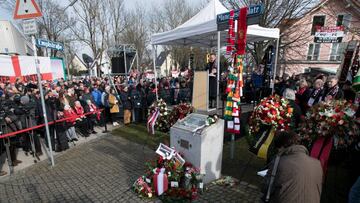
211, 67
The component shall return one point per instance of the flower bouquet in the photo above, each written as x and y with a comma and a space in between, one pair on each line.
334, 119
162, 122
142, 188
169, 179
180, 111
271, 114
330, 125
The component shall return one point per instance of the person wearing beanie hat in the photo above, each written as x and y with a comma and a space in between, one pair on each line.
25, 100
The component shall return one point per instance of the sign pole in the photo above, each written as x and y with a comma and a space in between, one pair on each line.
42, 100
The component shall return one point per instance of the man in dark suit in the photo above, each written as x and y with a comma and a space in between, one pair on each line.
212, 68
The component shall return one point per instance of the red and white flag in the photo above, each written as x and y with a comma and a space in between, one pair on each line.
12, 67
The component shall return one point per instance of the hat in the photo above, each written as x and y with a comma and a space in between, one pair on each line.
25, 99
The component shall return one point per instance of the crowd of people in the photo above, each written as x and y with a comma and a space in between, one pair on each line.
292, 163
79, 102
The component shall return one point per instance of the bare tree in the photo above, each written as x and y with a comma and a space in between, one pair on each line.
54, 23
277, 13
117, 17
91, 26
136, 31
170, 15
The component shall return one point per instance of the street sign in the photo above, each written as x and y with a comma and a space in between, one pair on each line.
29, 26
253, 17
26, 9
49, 44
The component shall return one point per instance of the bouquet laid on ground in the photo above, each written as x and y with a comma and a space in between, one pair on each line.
161, 118
158, 115
271, 114
169, 177
334, 119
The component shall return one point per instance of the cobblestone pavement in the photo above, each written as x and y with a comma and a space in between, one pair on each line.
102, 170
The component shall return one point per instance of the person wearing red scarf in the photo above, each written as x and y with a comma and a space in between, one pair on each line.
82, 121
79, 109
70, 113
70, 132
92, 118
302, 95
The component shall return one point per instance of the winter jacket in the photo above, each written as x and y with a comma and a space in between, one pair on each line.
135, 98
298, 177
125, 100
96, 95
113, 102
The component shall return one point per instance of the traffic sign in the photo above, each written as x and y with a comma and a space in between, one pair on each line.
25, 9
49, 44
29, 26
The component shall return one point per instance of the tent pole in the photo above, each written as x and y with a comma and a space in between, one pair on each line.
154, 61
272, 84
218, 71
126, 70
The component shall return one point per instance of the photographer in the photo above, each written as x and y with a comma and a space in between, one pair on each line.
28, 106
12, 124
50, 105
2, 128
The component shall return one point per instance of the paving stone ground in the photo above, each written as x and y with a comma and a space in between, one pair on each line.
102, 170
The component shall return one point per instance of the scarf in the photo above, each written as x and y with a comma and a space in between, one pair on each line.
79, 110
302, 90
333, 91
316, 93
231, 34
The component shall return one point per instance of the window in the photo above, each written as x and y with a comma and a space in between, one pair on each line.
317, 21
313, 52
337, 51
344, 19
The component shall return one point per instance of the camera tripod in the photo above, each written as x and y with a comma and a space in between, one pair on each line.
6, 141
29, 124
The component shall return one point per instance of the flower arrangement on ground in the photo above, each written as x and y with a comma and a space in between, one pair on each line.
334, 119
271, 114
162, 121
163, 118
169, 177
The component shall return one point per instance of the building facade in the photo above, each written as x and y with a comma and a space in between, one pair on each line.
12, 41
299, 52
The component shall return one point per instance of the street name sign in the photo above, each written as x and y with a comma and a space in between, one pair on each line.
253, 17
49, 44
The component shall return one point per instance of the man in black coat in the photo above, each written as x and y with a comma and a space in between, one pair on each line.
50, 106
333, 91
211, 67
136, 100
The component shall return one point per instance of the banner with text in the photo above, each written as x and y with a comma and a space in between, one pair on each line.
329, 34
12, 67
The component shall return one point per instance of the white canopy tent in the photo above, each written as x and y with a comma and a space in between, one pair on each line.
201, 30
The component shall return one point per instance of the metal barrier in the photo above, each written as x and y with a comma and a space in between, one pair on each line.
28, 120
